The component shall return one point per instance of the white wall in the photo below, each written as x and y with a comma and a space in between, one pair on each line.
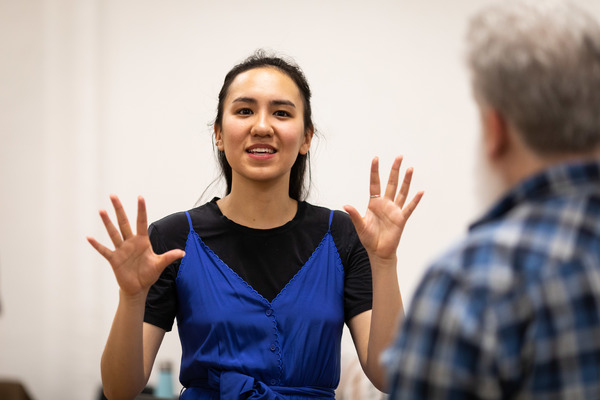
116, 96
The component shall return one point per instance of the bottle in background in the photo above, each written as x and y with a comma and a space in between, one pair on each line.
164, 387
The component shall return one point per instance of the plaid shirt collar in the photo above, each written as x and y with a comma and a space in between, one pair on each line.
561, 178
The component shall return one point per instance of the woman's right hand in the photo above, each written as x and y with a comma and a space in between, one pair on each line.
133, 261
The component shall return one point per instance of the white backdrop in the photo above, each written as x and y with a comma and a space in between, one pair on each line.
117, 96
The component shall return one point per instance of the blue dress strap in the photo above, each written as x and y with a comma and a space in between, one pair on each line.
330, 219
189, 221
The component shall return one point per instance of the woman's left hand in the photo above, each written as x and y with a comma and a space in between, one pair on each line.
381, 227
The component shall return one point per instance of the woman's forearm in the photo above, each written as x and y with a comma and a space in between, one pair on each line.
122, 365
386, 314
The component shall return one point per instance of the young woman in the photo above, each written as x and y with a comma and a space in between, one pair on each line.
260, 281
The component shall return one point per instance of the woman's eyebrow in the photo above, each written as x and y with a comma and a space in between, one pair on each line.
283, 103
244, 100
272, 102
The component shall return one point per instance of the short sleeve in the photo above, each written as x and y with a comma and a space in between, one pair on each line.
358, 288
161, 303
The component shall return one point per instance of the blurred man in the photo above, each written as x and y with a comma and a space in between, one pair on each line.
513, 311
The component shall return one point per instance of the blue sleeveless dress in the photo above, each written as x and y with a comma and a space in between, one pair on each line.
238, 345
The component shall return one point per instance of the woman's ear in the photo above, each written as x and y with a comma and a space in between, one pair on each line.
218, 137
307, 141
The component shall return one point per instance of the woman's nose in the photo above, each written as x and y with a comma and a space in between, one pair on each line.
262, 126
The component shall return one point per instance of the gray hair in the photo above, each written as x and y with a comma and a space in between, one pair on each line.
538, 63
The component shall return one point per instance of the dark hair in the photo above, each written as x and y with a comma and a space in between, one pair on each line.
260, 59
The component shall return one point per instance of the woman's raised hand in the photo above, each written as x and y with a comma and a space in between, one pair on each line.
133, 261
381, 227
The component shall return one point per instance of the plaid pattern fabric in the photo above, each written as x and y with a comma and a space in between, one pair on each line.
513, 310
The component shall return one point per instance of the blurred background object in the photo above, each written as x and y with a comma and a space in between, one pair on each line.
13, 390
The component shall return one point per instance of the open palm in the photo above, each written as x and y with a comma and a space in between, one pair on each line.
381, 227
133, 261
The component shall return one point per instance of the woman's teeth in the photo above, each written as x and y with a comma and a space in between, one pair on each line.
261, 151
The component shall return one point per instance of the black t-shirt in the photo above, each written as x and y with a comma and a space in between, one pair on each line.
265, 258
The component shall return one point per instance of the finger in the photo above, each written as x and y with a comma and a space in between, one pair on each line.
403, 193
111, 229
103, 250
408, 210
121, 217
142, 218
375, 186
392, 185
355, 217
170, 256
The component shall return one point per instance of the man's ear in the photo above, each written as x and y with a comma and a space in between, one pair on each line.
496, 132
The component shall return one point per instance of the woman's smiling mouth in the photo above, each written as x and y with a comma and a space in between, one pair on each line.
261, 150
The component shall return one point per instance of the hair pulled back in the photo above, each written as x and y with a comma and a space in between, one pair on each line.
260, 59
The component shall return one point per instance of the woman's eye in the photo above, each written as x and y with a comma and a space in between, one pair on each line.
281, 113
244, 111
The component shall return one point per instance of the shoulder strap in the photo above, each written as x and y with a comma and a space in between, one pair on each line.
330, 218
189, 220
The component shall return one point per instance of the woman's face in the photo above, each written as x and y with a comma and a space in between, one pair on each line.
262, 129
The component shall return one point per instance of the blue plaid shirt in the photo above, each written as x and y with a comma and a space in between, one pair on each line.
512, 311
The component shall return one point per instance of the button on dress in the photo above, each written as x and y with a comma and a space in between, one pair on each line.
238, 345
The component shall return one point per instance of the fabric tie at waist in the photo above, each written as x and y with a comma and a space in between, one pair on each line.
235, 385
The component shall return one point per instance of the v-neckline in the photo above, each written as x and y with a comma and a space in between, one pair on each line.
245, 283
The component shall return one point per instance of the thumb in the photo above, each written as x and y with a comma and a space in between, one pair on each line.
355, 217
170, 256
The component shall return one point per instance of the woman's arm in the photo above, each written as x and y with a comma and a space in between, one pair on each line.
130, 350
380, 231
132, 345
374, 330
